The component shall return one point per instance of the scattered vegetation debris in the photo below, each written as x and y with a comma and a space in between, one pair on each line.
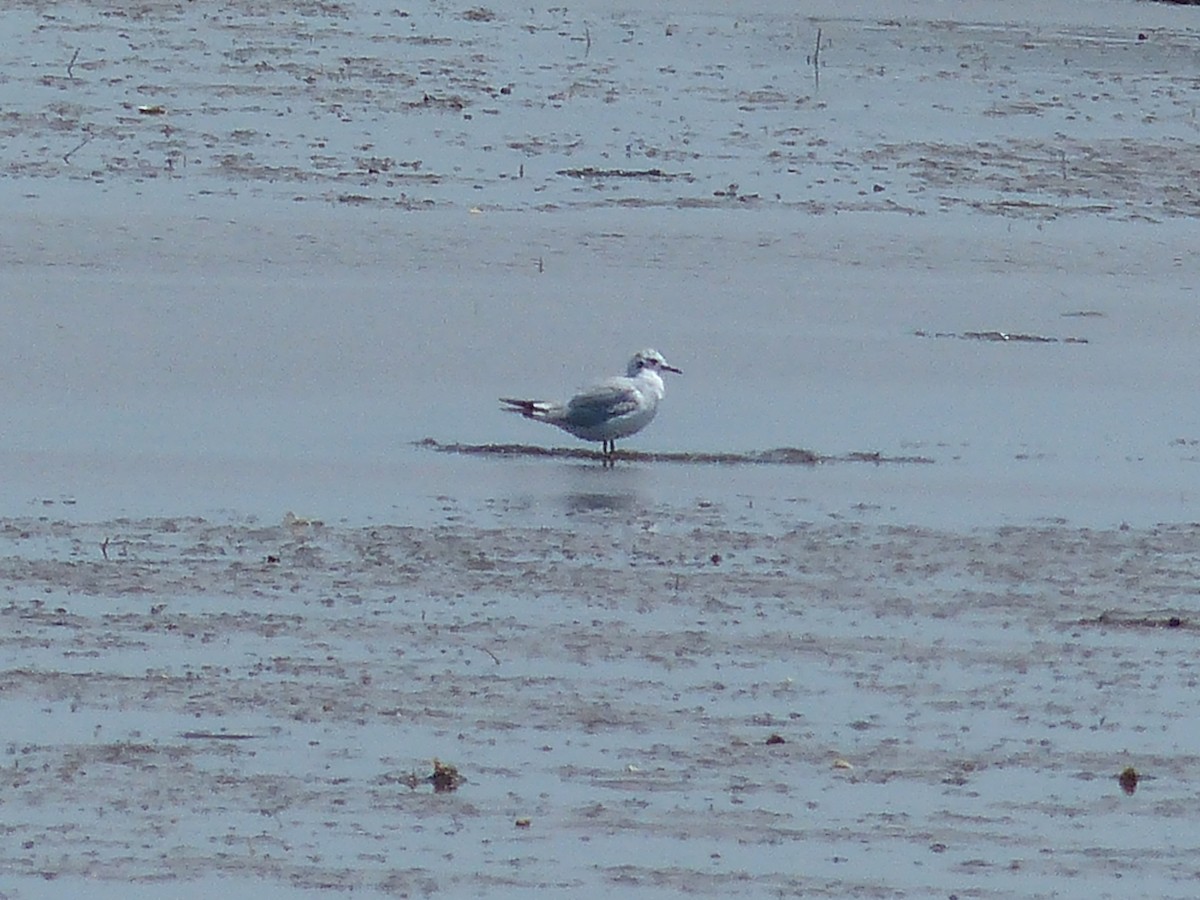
272, 559
593, 172
775, 739
299, 523
1153, 620
217, 736
152, 110
431, 101
715, 559
871, 456
840, 763
445, 777
479, 14
1001, 337
523, 822
452, 102
1129, 780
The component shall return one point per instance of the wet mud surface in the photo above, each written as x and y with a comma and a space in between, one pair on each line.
779, 456
636, 701
372, 104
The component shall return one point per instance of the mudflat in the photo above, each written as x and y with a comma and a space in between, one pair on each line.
895, 598
652, 700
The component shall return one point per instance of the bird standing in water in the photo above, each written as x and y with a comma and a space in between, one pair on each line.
617, 407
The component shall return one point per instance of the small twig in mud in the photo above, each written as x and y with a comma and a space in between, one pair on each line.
816, 60
494, 657
67, 157
104, 548
587, 40
71, 64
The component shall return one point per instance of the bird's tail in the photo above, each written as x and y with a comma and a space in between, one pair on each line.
530, 409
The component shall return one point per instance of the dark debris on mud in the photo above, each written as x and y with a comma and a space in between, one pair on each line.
778, 456
593, 172
1001, 337
444, 778
1154, 620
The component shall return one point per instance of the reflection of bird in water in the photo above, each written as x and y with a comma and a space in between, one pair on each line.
596, 502
615, 408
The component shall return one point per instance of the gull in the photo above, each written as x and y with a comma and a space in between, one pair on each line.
615, 408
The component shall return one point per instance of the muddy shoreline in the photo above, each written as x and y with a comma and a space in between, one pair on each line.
639, 687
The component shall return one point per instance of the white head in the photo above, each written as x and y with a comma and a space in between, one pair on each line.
649, 360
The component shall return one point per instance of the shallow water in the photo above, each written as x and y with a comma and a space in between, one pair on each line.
257, 257
216, 388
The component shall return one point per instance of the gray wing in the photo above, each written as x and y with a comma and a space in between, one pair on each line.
601, 403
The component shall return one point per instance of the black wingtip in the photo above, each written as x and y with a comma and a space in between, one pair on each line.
524, 407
